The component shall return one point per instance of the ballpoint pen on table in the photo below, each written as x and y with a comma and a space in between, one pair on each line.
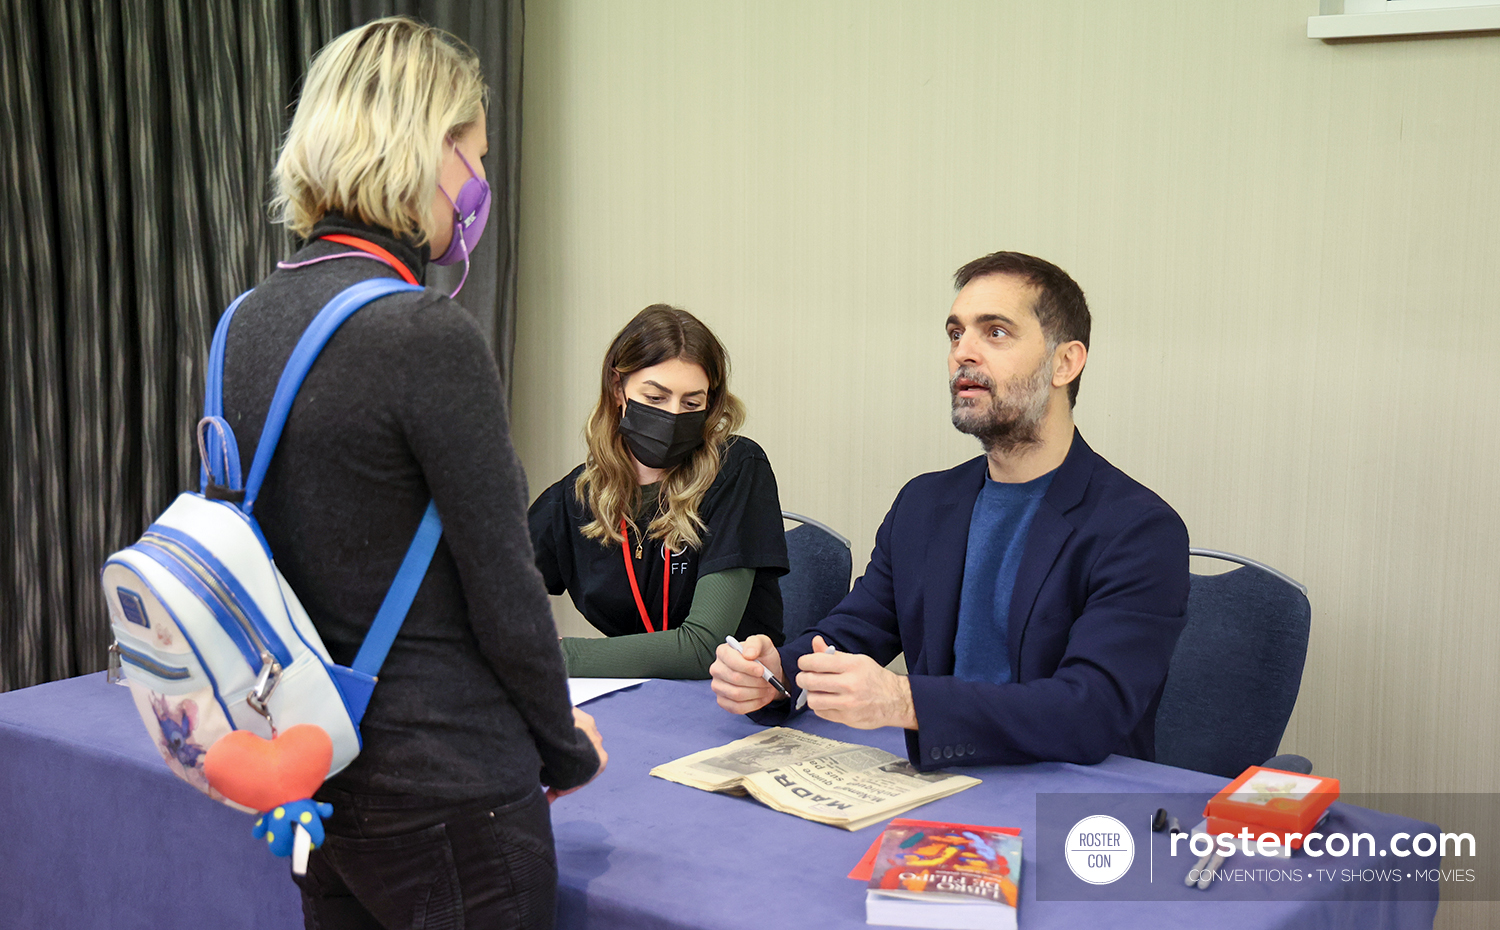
764, 672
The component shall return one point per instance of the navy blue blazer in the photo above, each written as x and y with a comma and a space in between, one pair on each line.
1098, 604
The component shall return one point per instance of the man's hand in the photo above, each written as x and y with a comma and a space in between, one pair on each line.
737, 681
854, 690
584, 722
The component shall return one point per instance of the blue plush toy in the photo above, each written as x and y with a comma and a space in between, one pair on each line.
278, 826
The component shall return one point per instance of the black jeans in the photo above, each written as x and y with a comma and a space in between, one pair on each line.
395, 863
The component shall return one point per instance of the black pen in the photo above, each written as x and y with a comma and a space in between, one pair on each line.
764, 672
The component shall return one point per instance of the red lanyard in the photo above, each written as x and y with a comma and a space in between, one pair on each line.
666, 581
375, 250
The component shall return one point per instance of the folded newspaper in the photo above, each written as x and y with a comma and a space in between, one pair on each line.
842, 784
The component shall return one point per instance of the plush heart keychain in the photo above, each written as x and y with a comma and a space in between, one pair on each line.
277, 777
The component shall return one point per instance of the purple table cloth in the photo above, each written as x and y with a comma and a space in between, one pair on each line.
97, 833
641, 852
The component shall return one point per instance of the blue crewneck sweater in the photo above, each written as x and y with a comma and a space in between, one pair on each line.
997, 541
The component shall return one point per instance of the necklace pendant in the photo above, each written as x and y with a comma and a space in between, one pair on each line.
637, 552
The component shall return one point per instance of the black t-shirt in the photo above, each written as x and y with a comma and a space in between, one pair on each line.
742, 513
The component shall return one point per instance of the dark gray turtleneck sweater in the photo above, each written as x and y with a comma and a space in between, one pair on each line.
403, 405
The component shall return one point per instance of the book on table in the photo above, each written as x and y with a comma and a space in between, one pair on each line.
942, 875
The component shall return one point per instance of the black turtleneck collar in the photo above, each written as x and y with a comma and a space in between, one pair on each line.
413, 256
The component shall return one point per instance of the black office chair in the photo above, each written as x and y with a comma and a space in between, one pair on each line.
819, 578
1236, 672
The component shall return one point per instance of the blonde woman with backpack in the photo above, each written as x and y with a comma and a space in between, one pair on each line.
443, 818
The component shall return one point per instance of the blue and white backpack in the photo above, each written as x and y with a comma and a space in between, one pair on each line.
208, 634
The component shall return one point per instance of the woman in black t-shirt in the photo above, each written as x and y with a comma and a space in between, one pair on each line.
669, 537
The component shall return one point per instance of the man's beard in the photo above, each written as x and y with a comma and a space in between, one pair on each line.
1008, 421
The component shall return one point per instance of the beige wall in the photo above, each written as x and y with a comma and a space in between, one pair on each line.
1292, 251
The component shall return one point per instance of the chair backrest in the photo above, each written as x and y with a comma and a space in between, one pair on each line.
819, 578
1237, 669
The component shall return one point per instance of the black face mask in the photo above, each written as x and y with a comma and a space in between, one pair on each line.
660, 439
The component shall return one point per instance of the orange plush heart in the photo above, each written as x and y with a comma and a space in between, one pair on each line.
263, 774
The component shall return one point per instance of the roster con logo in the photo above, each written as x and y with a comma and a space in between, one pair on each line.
1099, 849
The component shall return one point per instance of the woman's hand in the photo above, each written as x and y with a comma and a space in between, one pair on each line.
584, 722
737, 681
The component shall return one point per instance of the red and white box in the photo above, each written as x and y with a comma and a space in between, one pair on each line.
1271, 801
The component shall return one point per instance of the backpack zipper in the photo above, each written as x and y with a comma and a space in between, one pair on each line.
143, 661
190, 561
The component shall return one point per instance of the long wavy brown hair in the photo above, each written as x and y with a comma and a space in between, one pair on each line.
609, 487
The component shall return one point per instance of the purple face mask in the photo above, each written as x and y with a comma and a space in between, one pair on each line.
470, 211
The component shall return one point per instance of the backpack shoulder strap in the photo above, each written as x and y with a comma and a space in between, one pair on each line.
398, 599
215, 449
403, 590
322, 328
213, 393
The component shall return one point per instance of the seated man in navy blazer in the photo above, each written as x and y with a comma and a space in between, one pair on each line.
1037, 591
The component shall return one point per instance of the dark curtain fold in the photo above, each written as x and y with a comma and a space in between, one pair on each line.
136, 139
495, 29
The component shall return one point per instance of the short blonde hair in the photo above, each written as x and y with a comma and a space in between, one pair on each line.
377, 108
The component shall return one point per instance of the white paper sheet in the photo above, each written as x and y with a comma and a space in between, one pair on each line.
583, 690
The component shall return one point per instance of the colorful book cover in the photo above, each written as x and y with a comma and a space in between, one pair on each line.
931, 861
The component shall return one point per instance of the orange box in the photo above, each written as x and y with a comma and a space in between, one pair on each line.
1271, 801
